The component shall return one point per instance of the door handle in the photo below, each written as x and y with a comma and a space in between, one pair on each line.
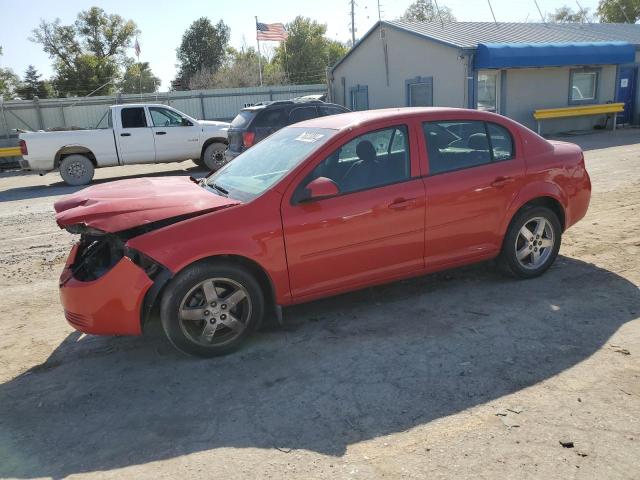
400, 203
501, 181
125, 134
161, 133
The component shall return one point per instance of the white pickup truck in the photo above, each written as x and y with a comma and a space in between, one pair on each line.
130, 134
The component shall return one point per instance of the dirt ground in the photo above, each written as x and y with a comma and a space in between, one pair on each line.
462, 374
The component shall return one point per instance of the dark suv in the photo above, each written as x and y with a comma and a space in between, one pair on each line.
256, 123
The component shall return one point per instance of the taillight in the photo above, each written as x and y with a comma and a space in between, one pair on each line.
248, 138
23, 148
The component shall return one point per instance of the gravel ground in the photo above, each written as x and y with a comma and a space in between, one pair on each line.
461, 374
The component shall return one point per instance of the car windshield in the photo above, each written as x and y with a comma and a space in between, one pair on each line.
260, 167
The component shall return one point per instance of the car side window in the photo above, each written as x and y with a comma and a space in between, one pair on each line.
163, 117
370, 160
133, 117
302, 113
270, 119
328, 110
454, 145
501, 142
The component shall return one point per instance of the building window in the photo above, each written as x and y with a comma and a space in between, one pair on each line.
583, 86
488, 91
359, 97
419, 92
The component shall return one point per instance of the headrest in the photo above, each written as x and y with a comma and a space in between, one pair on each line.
478, 141
366, 150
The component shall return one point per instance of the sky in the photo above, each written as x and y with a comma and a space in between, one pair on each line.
162, 22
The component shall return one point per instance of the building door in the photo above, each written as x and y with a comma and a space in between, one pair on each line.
626, 93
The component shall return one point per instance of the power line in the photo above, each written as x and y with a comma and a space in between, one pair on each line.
492, 14
539, 11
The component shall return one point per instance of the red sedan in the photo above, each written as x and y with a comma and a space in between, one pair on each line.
319, 208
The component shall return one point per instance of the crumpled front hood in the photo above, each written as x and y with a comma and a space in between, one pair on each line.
124, 204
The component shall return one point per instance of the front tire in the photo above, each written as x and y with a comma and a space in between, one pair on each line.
209, 309
532, 243
76, 170
213, 156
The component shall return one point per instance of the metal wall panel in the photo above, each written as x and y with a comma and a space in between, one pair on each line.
215, 104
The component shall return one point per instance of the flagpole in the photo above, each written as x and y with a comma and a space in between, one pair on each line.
259, 55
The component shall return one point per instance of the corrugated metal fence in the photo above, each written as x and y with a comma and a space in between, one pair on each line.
217, 104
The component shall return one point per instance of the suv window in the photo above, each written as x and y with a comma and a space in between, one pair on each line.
274, 118
242, 119
302, 113
163, 117
326, 110
133, 117
371, 160
454, 145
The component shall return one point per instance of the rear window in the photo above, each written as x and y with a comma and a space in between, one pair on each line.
242, 119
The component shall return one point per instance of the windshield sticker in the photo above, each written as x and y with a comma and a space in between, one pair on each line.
309, 137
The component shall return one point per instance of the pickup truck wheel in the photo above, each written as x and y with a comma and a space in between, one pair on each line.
209, 309
76, 170
213, 157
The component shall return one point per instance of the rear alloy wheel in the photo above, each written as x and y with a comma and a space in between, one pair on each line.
213, 156
532, 242
76, 170
209, 309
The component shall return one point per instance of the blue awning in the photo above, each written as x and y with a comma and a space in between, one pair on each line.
522, 55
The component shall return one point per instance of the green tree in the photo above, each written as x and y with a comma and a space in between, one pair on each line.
9, 81
32, 86
202, 48
566, 14
138, 78
619, 11
240, 69
88, 54
307, 53
426, 11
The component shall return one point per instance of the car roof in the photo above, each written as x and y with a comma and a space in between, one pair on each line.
285, 103
348, 120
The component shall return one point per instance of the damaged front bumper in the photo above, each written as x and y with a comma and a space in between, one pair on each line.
105, 286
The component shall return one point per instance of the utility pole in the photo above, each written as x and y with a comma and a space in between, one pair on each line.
353, 22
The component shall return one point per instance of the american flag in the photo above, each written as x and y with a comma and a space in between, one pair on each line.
271, 32
136, 48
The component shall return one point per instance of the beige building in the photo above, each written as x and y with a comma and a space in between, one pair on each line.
509, 68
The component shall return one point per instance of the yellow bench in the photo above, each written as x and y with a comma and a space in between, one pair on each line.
10, 152
578, 111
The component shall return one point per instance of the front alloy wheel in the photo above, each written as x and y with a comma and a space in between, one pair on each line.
215, 312
210, 308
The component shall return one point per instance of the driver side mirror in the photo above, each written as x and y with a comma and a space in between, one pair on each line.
321, 187
186, 123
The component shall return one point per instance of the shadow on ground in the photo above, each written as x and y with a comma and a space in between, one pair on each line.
60, 188
596, 140
346, 369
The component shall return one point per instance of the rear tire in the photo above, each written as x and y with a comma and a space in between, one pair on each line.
210, 309
532, 243
213, 156
76, 170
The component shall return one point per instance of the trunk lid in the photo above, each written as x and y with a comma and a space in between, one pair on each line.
116, 206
